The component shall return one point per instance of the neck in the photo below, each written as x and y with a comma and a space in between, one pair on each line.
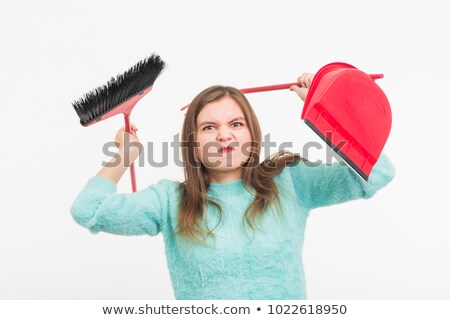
224, 176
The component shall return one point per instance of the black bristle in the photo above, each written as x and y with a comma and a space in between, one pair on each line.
102, 99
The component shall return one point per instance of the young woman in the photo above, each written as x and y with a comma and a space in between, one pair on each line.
234, 228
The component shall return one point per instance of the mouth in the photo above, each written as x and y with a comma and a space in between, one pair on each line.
225, 149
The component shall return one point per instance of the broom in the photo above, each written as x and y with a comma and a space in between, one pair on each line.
120, 95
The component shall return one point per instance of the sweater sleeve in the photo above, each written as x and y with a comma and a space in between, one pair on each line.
99, 207
324, 185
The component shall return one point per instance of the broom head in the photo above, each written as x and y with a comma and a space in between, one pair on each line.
121, 93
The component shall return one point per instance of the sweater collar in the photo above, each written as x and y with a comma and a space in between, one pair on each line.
234, 185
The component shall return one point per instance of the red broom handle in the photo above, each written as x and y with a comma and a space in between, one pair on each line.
132, 173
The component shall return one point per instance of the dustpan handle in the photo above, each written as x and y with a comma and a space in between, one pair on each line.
269, 88
132, 172
283, 86
289, 85
376, 76
263, 88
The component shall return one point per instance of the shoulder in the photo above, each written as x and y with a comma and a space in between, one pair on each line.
287, 177
168, 183
299, 167
167, 187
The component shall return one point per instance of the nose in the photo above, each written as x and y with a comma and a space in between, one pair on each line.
223, 134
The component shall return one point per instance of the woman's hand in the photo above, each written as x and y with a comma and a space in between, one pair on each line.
129, 149
128, 143
304, 82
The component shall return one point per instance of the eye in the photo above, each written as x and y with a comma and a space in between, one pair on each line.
207, 127
239, 124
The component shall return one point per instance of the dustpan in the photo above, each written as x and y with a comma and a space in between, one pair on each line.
348, 110
351, 113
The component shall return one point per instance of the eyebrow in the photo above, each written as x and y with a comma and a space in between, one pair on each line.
211, 122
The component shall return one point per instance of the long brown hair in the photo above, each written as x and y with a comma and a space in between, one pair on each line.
256, 177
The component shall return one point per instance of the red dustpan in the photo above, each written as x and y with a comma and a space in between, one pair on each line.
350, 112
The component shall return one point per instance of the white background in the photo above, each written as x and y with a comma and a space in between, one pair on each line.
393, 246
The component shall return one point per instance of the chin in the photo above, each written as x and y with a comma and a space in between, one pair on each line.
224, 167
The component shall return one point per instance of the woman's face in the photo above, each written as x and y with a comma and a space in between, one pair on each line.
223, 137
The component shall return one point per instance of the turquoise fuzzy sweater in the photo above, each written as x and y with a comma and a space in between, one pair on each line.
265, 264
